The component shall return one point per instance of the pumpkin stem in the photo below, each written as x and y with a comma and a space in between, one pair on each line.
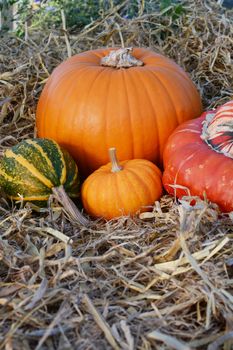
121, 58
113, 158
69, 205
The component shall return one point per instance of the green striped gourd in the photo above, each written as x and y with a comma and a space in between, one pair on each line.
34, 169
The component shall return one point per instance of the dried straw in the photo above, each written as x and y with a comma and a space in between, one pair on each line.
161, 281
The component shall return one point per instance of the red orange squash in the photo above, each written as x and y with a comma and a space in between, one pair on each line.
123, 188
199, 157
107, 97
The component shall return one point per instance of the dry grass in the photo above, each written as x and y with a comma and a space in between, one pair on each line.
161, 281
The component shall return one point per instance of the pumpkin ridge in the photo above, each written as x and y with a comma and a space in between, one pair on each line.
185, 80
148, 192
143, 54
86, 190
190, 89
154, 109
84, 194
71, 69
105, 111
163, 84
108, 184
79, 74
45, 97
130, 122
94, 54
117, 179
168, 65
103, 181
47, 93
173, 106
22, 161
135, 187
188, 85
99, 53
107, 202
150, 171
70, 82
154, 174
84, 118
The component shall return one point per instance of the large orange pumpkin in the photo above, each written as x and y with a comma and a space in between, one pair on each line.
121, 188
198, 158
93, 101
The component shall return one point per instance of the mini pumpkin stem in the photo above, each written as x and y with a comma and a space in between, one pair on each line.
113, 158
121, 58
69, 205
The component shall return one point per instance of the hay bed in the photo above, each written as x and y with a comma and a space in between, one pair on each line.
162, 281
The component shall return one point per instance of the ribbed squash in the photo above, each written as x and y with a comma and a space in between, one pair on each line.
34, 169
121, 188
198, 158
130, 98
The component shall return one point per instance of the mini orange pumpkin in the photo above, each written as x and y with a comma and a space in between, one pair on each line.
103, 97
123, 188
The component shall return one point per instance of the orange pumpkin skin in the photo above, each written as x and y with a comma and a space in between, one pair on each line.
191, 163
87, 107
126, 192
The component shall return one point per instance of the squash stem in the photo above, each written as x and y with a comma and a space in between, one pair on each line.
69, 205
113, 158
121, 58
